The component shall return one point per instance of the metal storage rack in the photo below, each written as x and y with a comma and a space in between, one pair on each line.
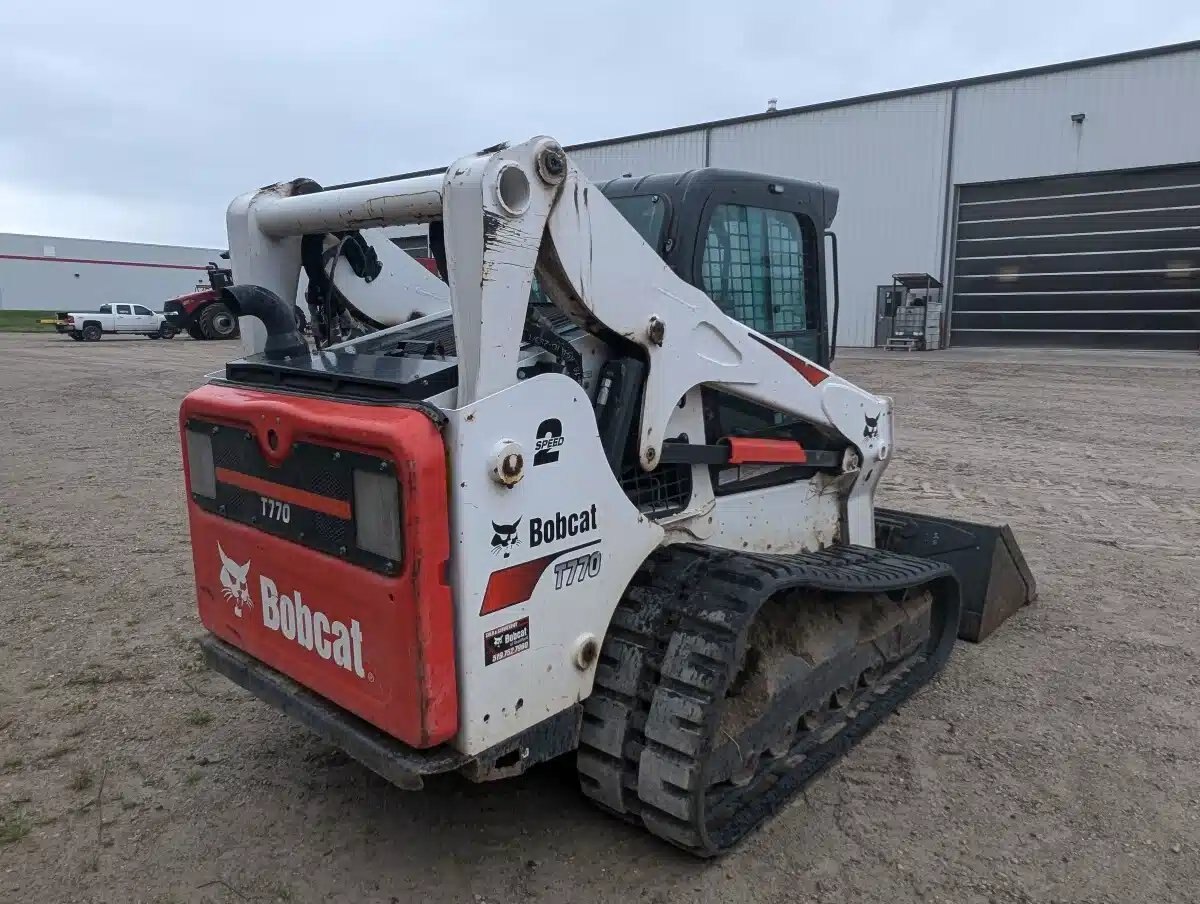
914, 305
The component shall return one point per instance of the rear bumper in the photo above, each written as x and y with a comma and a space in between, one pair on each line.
403, 766
400, 764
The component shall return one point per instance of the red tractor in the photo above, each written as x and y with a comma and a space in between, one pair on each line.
202, 313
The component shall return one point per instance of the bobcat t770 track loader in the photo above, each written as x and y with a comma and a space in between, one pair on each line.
577, 504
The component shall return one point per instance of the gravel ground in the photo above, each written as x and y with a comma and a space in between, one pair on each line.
1057, 762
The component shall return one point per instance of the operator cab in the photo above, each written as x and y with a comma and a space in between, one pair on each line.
754, 244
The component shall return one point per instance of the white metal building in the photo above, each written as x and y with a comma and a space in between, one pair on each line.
50, 273
1059, 205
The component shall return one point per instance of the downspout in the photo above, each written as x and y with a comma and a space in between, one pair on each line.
949, 224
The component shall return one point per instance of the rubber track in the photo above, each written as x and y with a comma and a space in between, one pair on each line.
675, 644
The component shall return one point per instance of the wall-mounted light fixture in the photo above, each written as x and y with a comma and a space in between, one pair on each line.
1078, 118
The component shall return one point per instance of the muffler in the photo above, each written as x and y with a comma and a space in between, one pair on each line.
994, 577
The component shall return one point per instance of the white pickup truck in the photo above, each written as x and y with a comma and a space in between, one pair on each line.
89, 326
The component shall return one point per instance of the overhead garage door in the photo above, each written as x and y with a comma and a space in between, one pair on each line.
1108, 260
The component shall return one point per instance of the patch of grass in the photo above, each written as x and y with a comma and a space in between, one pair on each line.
82, 778
60, 751
193, 663
13, 762
39, 685
193, 777
95, 679
14, 825
25, 322
92, 864
199, 717
282, 893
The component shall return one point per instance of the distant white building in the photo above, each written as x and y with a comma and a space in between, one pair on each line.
49, 273
1058, 205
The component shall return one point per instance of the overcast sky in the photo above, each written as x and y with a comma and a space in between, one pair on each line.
140, 120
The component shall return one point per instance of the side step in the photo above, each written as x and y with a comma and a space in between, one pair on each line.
994, 579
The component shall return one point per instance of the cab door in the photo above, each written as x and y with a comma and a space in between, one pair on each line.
123, 319
144, 319
761, 266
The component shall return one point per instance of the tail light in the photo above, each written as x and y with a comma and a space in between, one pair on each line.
377, 513
201, 471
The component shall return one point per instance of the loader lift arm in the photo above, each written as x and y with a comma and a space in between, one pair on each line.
540, 215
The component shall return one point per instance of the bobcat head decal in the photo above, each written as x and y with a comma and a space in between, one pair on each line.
504, 537
871, 430
233, 582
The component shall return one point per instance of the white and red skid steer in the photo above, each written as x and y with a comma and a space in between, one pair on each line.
593, 490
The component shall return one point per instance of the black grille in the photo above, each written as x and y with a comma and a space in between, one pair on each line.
314, 469
334, 533
310, 467
436, 339
326, 482
658, 493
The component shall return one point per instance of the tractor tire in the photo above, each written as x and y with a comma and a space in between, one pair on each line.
92, 332
217, 322
76, 335
195, 332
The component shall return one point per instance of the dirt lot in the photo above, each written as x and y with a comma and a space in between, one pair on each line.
1058, 762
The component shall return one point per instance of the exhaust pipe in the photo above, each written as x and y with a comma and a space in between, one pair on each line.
283, 338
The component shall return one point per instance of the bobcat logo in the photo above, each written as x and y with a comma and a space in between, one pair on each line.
233, 582
871, 430
504, 537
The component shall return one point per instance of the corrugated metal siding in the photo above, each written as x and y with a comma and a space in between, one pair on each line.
669, 154
888, 161
1138, 113
52, 273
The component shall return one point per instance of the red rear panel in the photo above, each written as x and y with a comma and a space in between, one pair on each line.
279, 572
